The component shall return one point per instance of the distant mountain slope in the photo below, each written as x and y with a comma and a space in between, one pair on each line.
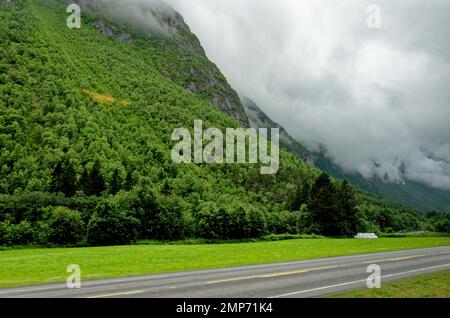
258, 119
412, 194
178, 56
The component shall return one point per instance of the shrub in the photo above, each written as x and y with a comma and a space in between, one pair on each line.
110, 225
214, 222
3, 231
257, 226
443, 226
224, 222
238, 224
281, 222
18, 234
66, 226
170, 219
204, 219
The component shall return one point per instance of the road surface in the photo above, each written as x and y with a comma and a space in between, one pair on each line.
310, 278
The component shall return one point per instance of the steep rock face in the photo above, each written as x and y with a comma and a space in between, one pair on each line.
158, 28
258, 119
112, 31
191, 68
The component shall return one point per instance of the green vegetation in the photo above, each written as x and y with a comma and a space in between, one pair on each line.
436, 285
85, 134
332, 209
41, 266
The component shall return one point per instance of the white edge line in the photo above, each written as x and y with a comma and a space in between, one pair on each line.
358, 281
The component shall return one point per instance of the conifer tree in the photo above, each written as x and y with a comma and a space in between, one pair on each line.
64, 178
83, 184
129, 182
92, 182
116, 182
56, 184
301, 196
97, 183
347, 202
324, 208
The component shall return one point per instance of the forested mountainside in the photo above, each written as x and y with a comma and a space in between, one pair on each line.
177, 53
86, 118
409, 193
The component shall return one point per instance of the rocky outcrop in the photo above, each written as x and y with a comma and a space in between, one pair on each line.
258, 119
108, 29
195, 72
6, 3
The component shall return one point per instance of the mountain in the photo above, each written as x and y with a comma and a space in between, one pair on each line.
111, 93
258, 119
86, 123
409, 193
178, 55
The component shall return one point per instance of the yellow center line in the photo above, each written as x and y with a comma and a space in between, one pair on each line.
117, 294
441, 253
270, 275
396, 259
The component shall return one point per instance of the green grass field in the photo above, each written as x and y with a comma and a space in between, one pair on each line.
19, 267
436, 285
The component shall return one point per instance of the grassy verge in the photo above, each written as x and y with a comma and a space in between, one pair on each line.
436, 285
20, 267
414, 234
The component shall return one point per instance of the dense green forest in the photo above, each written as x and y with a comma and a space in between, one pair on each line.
85, 139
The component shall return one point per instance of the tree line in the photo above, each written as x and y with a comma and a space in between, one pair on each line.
66, 216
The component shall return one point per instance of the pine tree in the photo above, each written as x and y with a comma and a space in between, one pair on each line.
301, 196
97, 183
69, 179
116, 183
324, 207
129, 182
56, 184
84, 183
166, 188
92, 182
64, 178
347, 202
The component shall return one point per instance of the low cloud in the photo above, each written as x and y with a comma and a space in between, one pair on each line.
377, 99
153, 17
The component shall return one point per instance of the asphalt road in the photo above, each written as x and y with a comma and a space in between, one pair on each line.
310, 278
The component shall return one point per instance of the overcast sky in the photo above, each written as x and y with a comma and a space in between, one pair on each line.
376, 98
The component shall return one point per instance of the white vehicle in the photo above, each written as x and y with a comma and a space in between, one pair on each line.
366, 236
